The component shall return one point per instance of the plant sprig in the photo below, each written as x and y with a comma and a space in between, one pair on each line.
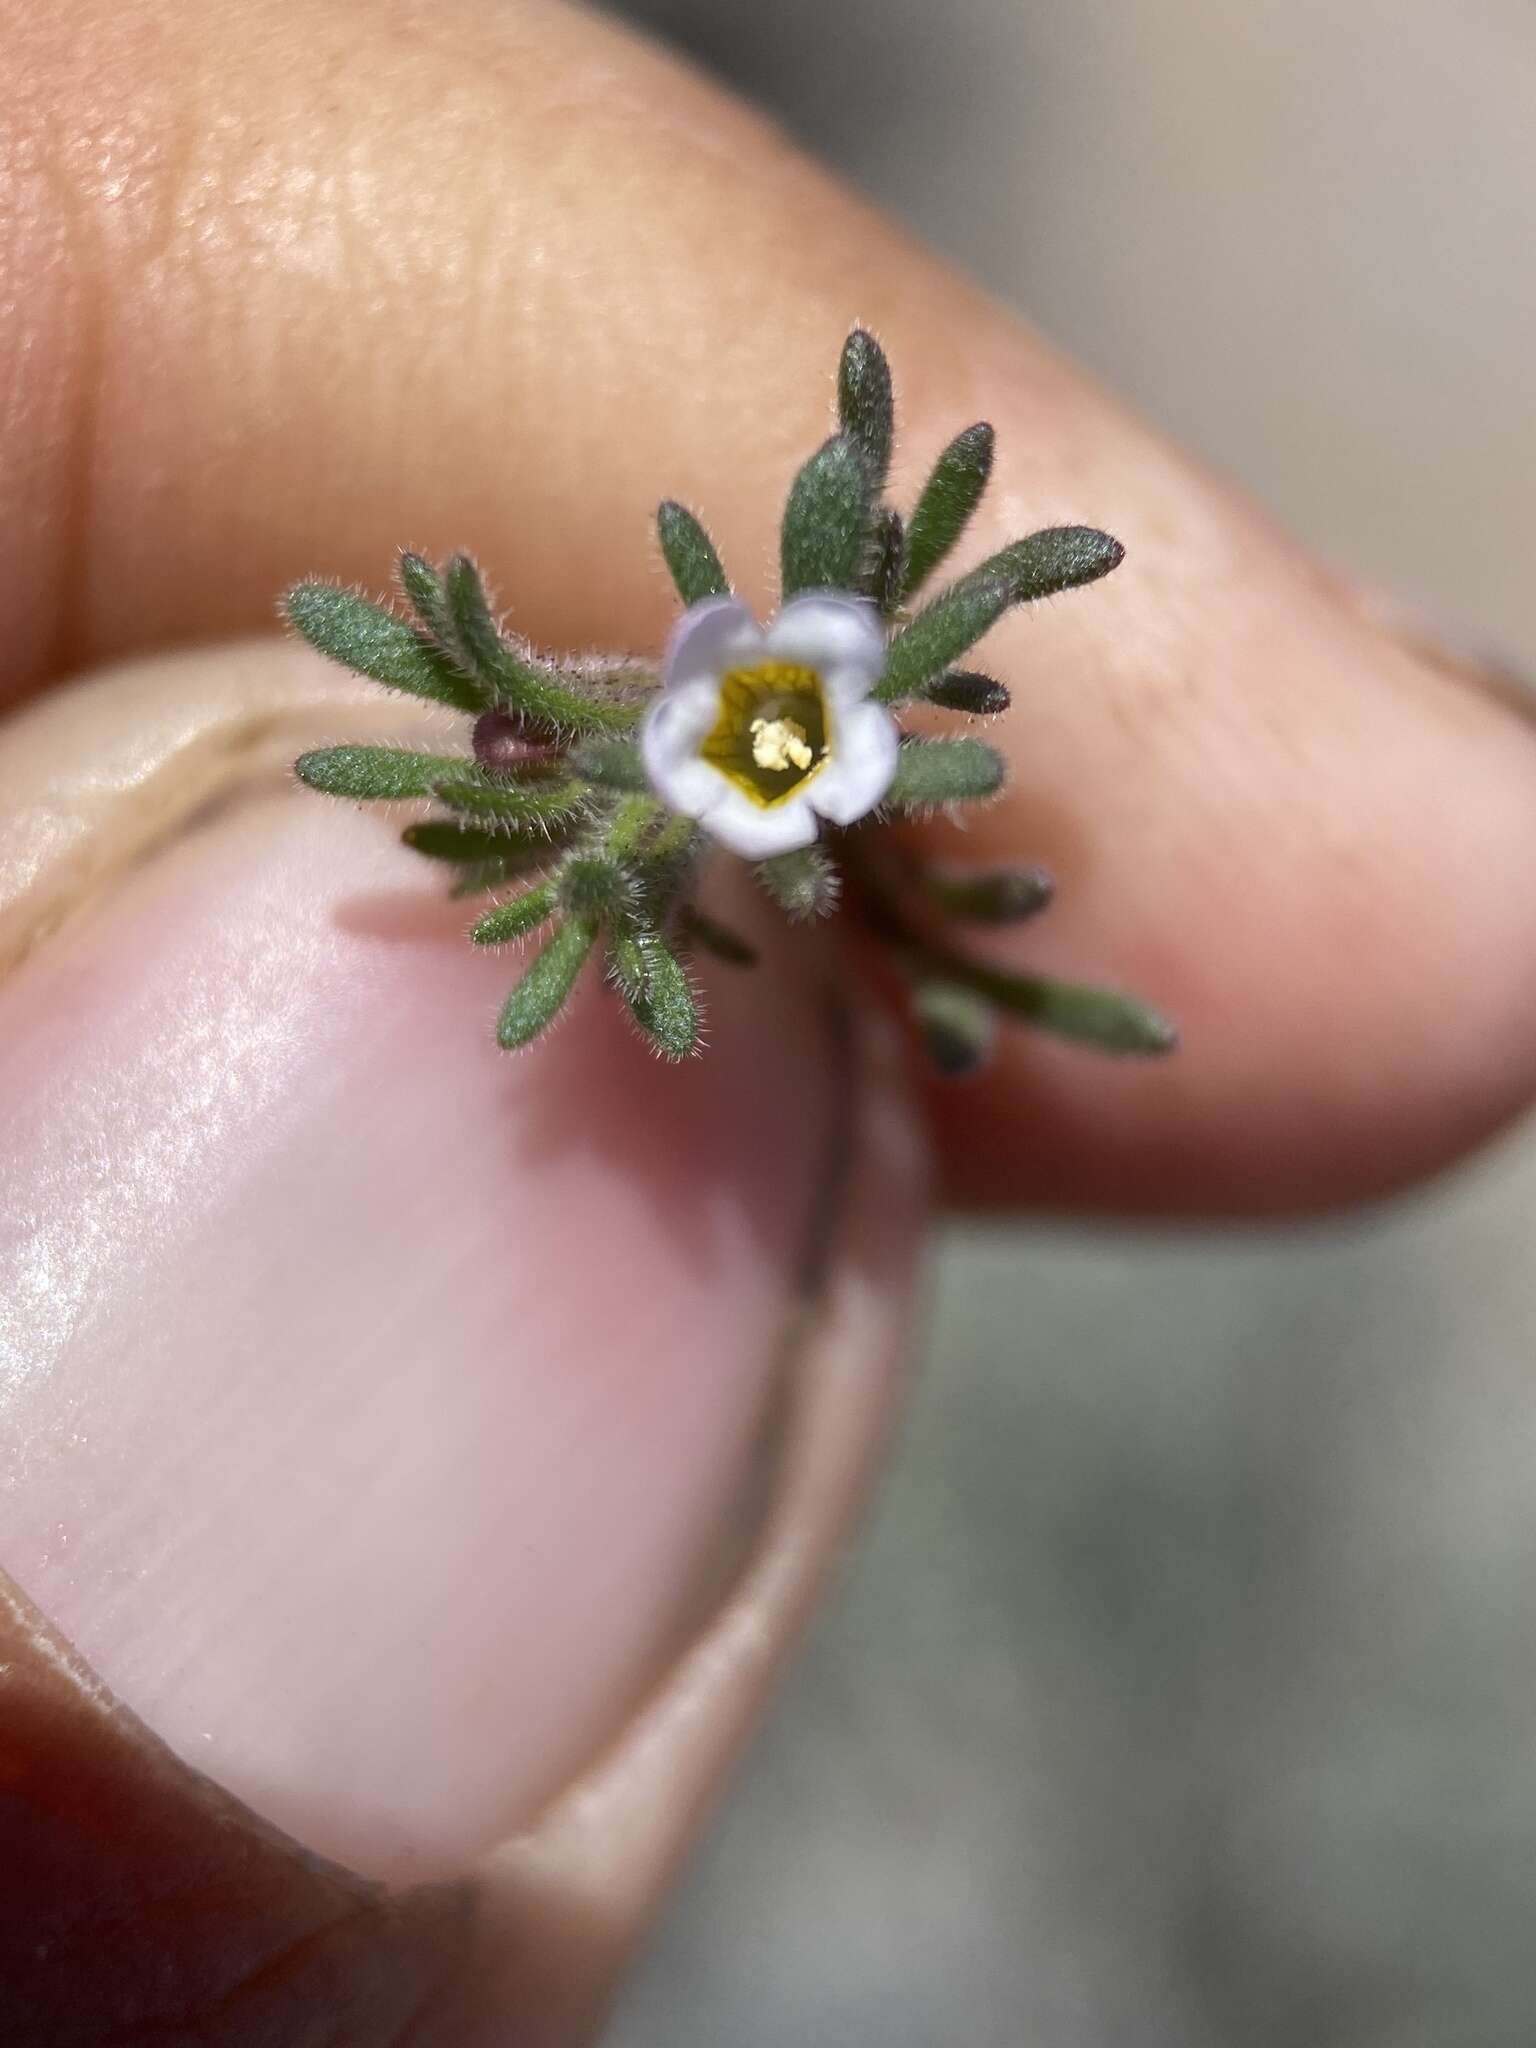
552, 805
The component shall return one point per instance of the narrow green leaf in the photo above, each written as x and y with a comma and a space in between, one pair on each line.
826, 521
996, 896
690, 554
712, 937
370, 640
384, 772
439, 839
951, 494
1055, 559
958, 1027
805, 884
514, 806
942, 632
614, 763
515, 680
930, 773
516, 919
665, 1008
1092, 1016
424, 592
966, 689
865, 407
539, 996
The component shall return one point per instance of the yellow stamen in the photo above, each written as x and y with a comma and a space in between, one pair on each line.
780, 743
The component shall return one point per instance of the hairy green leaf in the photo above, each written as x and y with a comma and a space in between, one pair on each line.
384, 772
522, 806
996, 896
515, 680
424, 592
826, 521
966, 689
943, 510
690, 554
665, 1008
370, 640
930, 773
439, 839
1093, 1016
1057, 558
514, 920
865, 407
538, 998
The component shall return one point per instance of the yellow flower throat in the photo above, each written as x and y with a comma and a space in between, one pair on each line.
771, 735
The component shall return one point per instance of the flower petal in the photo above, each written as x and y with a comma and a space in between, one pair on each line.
713, 635
756, 834
862, 767
670, 737
837, 634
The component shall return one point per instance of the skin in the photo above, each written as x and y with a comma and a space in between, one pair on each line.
461, 1582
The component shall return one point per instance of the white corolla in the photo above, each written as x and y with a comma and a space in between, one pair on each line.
761, 732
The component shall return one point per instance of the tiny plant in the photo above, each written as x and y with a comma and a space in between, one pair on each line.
589, 794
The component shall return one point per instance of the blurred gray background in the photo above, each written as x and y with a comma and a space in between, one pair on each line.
1185, 1689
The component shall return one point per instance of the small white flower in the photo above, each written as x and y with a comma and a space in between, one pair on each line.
761, 731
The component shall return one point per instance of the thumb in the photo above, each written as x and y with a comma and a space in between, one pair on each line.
388, 1424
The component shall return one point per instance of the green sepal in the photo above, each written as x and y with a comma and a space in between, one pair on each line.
805, 884
513, 679
1057, 558
705, 932
538, 998
424, 593
523, 806
516, 919
931, 773
665, 1008
614, 763
690, 554
826, 521
957, 1026
968, 690
386, 773
368, 638
943, 511
865, 406
997, 896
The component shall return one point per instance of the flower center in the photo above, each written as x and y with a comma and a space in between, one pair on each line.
771, 735
779, 743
